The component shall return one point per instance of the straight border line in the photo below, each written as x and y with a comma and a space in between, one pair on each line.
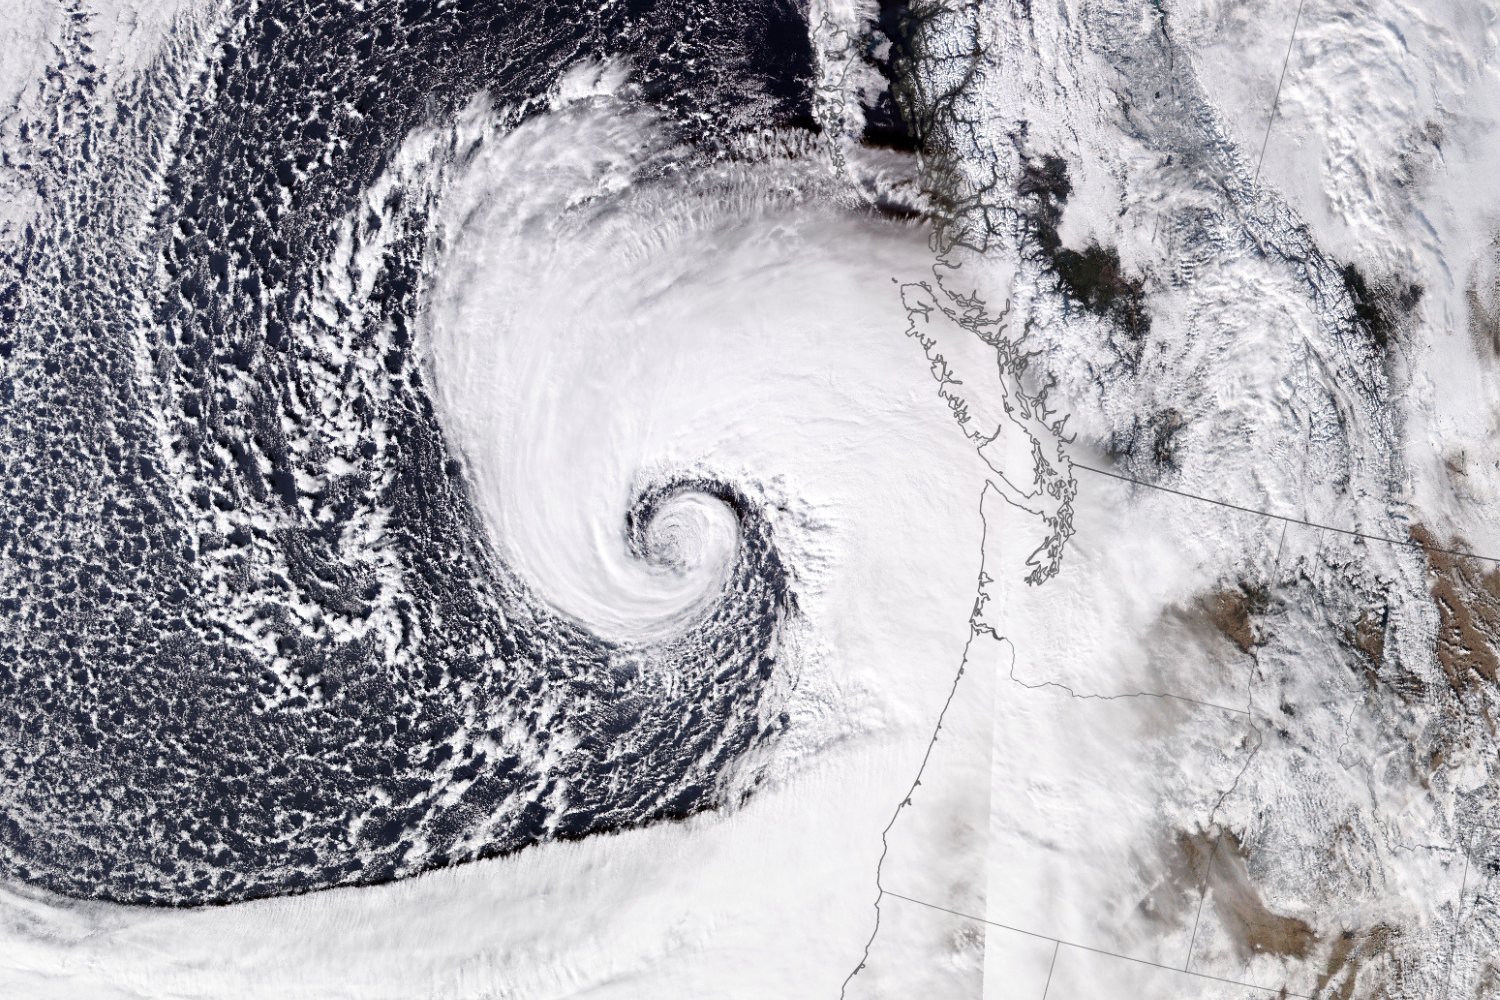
1208, 873
1277, 991
1404, 543
1051, 969
1271, 118
1458, 915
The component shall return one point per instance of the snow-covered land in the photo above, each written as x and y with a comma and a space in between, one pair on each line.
608, 538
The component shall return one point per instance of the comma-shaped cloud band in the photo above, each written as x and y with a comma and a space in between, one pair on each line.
264, 629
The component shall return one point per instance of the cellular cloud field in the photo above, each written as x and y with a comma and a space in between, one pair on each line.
765, 500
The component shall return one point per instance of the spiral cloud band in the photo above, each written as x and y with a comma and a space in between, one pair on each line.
307, 604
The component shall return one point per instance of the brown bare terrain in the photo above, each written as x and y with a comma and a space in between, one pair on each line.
1219, 861
1232, 612
1468, 601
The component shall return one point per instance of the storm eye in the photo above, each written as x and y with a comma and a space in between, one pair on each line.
688, 533
534, 463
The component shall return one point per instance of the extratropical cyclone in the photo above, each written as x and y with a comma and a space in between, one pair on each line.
256, 638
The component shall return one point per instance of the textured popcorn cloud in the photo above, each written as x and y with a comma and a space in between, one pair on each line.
269, 619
